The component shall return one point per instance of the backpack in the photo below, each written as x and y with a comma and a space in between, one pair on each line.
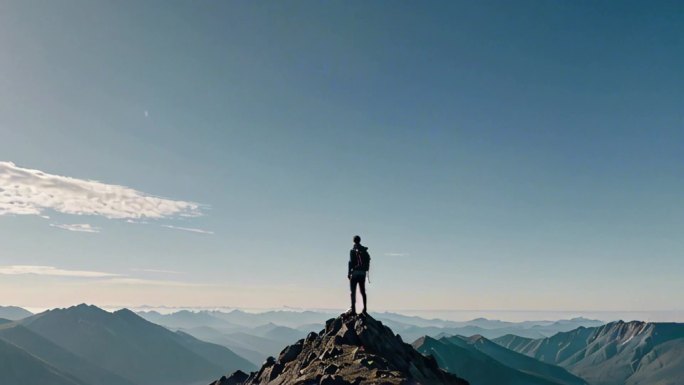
362, 259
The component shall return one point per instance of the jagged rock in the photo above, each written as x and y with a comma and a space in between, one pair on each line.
332, 352
291, 352
351, 350
312, 356
329, 379
236, 378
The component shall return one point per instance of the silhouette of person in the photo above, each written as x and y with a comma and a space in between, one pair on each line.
359, 263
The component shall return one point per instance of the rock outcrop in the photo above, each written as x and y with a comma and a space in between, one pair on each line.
351, 350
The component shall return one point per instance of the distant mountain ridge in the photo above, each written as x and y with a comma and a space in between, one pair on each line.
618, 353
94, 347
248, 333
14, 313
469, 358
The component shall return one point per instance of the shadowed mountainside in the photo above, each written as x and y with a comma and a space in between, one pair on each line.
18, 367
58, 357
133, 348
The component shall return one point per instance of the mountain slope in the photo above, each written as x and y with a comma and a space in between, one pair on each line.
610, 354
216, 354
17, 367
279, 333
553, 350
350, 350
477, 367
216, 337
265, 346
252, 343
517, 361
14, 313
127, 345
58, 357
664, 365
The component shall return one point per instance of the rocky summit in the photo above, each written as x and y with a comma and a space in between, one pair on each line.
352, 349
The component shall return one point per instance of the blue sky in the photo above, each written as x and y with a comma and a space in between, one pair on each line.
492, 155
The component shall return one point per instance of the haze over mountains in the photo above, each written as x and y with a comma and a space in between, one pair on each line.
85, 345
13, 313
256, 336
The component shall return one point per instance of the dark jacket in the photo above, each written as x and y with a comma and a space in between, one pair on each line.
358, 259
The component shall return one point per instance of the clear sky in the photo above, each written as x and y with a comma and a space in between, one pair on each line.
492, 155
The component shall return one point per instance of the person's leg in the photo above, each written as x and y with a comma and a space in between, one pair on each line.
352, 287
362, 287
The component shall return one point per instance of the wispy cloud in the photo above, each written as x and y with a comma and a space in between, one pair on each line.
25, 191
193, 230
159, 271
52, 271
397, 254
98, 277
150, 282
136, 222
82, 227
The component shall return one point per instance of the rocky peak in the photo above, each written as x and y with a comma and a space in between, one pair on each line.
352, 349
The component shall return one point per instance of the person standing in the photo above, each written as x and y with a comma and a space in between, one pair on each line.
359, 264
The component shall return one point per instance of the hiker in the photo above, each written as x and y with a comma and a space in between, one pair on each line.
359, 263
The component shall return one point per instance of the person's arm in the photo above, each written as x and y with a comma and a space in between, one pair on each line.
349, 265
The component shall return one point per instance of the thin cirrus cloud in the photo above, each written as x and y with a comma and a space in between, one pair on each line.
130, 281
190, 229
92, 276
397, 254
52, 271
80, 227
26, 191
156, 271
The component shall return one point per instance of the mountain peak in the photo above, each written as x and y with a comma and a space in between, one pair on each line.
476, 338
84, 307
351, 349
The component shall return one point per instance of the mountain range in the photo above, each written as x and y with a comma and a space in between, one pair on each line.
85, 345
256, 336
91, 346
618, 353
483, 362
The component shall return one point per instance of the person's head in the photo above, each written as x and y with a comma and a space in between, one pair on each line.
357, 239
